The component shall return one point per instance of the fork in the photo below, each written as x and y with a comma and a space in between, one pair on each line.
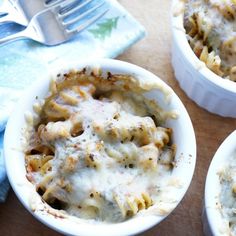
22, 11
59, 23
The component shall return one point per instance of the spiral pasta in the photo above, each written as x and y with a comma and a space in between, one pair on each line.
210, 30
99, 149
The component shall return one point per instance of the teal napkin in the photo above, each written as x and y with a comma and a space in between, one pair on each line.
4, 185
22, 62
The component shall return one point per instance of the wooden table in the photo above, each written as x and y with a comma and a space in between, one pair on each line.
152, 53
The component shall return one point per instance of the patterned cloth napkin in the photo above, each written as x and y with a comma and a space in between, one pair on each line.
22, 62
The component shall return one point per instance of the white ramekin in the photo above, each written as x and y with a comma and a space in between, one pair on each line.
213, 222
183, 136
207, 89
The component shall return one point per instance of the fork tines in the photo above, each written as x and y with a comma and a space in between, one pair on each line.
76, 15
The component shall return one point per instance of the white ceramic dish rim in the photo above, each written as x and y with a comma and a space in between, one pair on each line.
179, 35
136, 225
212, 186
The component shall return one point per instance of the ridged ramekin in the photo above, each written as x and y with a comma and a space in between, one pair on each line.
213, 222
183, 137
208, 90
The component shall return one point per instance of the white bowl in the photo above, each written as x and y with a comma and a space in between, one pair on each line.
183, 136
213, 222
207, 89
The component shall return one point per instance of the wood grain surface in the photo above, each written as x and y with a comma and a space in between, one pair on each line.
154, 54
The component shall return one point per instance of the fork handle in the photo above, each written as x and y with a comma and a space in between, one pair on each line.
5, 19
2, 13
13, 37
12, 19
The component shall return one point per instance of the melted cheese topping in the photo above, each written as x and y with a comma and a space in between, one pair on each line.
99, 151
228, 195
211, 31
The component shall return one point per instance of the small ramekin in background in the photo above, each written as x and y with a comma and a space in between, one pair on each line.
183, 137
213, 222
208, 90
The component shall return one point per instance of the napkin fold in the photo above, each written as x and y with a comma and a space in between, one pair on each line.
22, 62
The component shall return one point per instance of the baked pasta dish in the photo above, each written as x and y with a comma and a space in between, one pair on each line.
211, 31
97, 149
228, 196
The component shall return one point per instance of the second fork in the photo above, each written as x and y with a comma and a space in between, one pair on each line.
54, 26
22, 11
